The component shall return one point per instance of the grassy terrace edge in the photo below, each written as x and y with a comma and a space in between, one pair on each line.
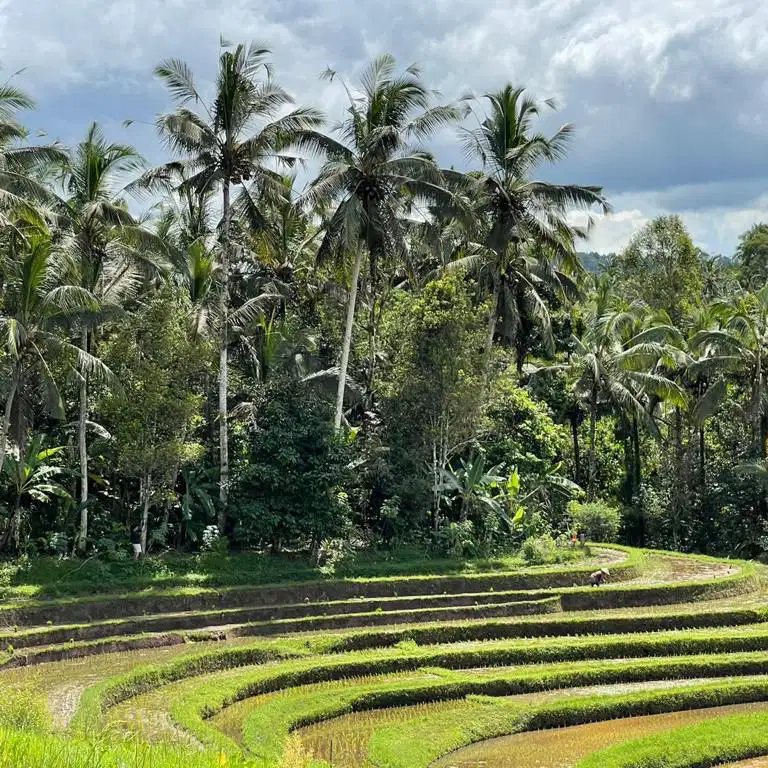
717, 741
743, 581
20, 612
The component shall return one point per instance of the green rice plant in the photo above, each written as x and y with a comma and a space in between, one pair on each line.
706, 744
404, 745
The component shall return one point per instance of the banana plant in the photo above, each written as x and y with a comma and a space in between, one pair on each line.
472, 483
34, 477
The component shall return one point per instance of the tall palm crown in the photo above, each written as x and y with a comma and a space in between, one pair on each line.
525, 240
22, 167
516, 207
38, 301
374, 171
622, 360
375, 164
233, 138
739, 345
104, 240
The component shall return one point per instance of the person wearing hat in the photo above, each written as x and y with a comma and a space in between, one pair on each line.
598, 577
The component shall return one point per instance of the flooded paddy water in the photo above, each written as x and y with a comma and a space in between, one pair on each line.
343, 741
564, 747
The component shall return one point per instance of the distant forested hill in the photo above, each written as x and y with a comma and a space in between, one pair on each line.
594, 261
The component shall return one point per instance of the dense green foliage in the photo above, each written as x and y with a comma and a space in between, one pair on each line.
384, 353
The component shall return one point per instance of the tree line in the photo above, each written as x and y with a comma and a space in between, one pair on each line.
303, 335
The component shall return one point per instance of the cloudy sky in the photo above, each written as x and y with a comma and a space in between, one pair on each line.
669, 97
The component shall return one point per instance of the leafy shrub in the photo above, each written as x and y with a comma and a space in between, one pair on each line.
288, 494
597, 519
457, 539
538, 550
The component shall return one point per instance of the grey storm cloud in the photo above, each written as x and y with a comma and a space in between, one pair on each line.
670, 100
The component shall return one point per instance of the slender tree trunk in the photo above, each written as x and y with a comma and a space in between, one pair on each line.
12, 531
637, 469
492, 316
702, 461
6, 427
347, 344
82, 538
576, 448
372, 341
592, 446
224, 365
145, 494
435, 486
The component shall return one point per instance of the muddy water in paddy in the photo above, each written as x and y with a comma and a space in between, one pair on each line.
343, 741
564, 747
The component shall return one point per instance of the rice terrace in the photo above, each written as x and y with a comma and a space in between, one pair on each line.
502, 666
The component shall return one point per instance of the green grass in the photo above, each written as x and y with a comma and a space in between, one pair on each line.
32, 750
711, 743
55, 577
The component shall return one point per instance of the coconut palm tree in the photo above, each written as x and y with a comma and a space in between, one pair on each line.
373, 167
514, 211
622, 361
738, 346
109, 249
39, 305
23, 168
228, 141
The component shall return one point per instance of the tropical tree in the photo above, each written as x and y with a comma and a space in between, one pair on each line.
373, 167
228, 141
738, 346
39, 306
622, 361
515, 212
109, 249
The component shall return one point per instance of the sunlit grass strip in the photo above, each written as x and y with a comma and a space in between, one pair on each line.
257, 616
20, 749
432, 633
73, 610
108, 693
717, 741
55, 579
404, 745
547, 626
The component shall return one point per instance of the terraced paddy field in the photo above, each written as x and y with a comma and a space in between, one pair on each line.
667, 665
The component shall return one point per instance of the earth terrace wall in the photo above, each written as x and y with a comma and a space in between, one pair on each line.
119, 606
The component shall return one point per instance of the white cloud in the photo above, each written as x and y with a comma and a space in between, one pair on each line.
665, 95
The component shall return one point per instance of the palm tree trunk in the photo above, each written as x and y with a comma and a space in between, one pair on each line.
145, 494
224, 364
83, 451
6, 428
637, 462
14, 527
347, 344
492, 317
576, 449
592, 447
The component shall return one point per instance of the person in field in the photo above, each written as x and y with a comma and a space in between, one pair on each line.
598, 578
136, 542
